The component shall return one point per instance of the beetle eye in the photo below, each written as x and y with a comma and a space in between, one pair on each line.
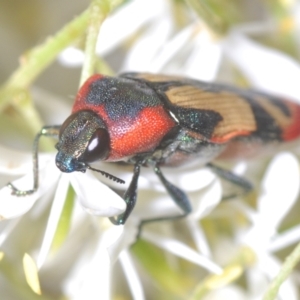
98, 146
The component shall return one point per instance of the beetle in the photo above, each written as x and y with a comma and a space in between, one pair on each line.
154, 120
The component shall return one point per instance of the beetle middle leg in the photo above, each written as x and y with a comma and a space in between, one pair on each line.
130, 197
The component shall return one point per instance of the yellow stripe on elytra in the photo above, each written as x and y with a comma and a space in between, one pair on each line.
236, 111
274, 111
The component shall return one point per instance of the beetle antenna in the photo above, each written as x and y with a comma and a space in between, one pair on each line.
107, 175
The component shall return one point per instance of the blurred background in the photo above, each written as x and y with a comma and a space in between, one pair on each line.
24, 24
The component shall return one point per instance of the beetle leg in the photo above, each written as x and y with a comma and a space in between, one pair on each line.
179, 197
129, 197
177, 194
49, 131
233, 178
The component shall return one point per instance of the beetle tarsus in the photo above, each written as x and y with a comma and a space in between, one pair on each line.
161, 219
17, 192
49, 131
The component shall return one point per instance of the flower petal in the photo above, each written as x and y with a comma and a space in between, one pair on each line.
95, 197
280, 194
54, 217
133, 280
14, 162
112, 34
203, 203
71, 57
199, 237
285, 239
97, 270
266, 68
12, 206
182, 250
204, 61
190, 180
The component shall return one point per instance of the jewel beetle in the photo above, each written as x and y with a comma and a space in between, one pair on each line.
151, 120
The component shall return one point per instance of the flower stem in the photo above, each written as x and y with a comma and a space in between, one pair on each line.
37, 59
98, 11
64, 223
15, 92
290, 263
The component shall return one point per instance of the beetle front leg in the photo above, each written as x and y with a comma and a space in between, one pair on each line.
129, 197
49, 131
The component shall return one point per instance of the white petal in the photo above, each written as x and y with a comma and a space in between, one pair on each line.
279, 195
285, 239
95, 277
71, 57
280, 189
124, 236
13, 206
181, 250
190, 180
163, 55
54, 217
14, 162
257, 282
94, 264
95, 197
145, 54
119, 26
7, 228
266, 68
203, 203
204, 61
231, 292
133, 280
198, 236
151, 204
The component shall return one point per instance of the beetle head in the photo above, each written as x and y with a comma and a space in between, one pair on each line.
83, 138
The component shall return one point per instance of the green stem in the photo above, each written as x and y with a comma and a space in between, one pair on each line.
99, 10
64, 224
36, 60
101, 66
290, 263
